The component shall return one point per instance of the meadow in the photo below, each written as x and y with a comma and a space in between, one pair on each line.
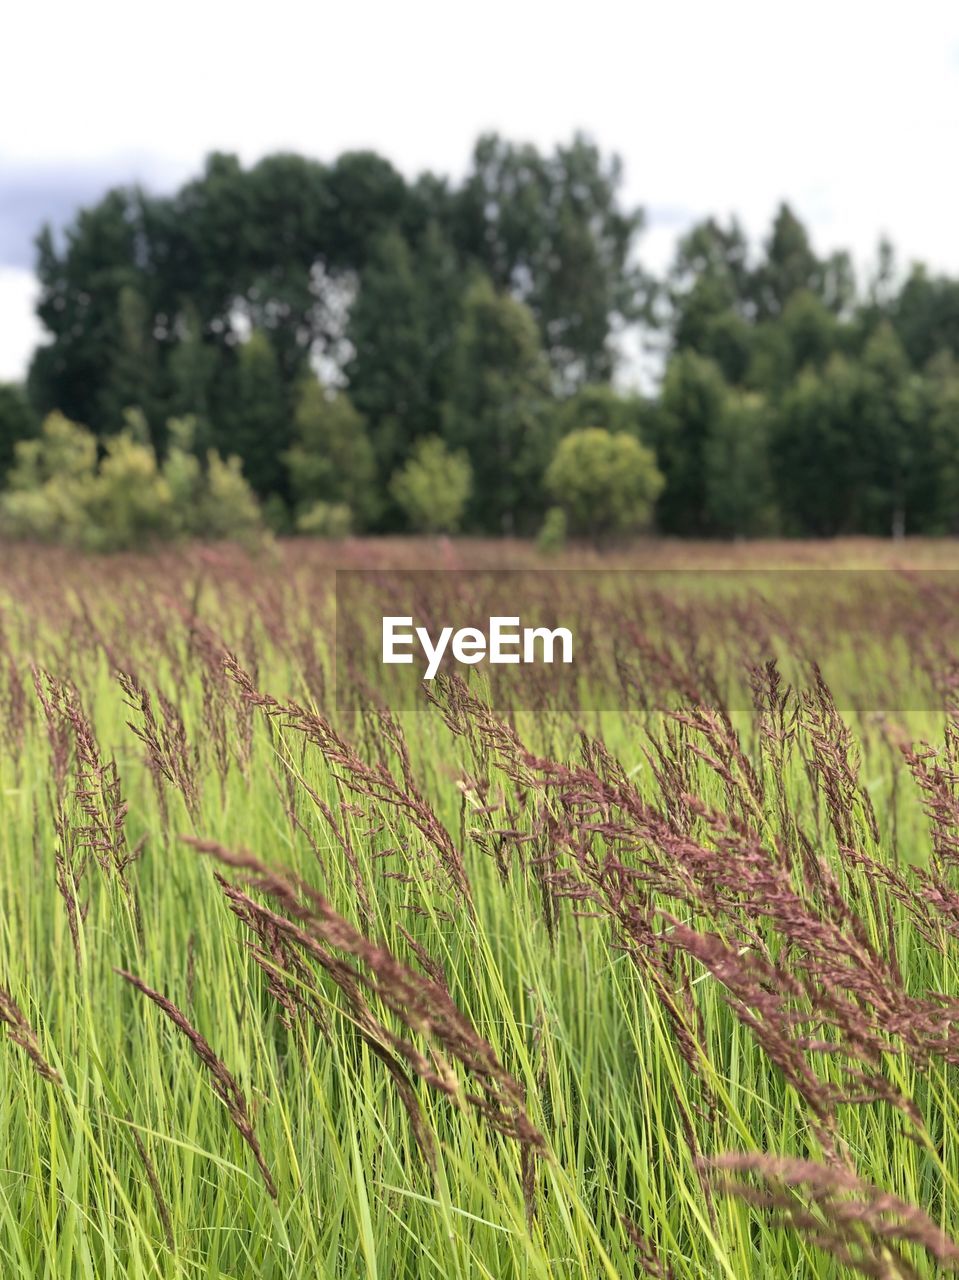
655, 973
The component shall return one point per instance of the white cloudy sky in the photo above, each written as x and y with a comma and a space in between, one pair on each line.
849, 109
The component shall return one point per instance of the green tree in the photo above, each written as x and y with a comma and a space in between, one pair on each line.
499, 409
810, 328
716, 254
788, 266
739, 496
367, 196
551, 231
837, 283
819, 467
935, 497
238, 249
708, 288
275, 248
926, 315
331, 459
605, 482
17, 422
401, 329
389, 374
692, 404
771, 367
133, 379
730, 341
79, 304
600, 405
806, 333
257, 425
432, 487
887, 427
193, 368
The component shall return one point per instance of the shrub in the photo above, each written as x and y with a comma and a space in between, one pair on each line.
51, 484
130, 502
326, 520
433, 487
552, 534
606, 483
738, 481
331, 460
183, 473
277, 515
60, 491
228, 508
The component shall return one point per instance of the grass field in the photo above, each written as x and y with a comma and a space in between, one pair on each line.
664, 982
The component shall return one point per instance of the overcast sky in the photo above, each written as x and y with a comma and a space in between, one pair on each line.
849, 110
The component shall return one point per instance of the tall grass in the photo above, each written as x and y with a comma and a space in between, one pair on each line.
657, 984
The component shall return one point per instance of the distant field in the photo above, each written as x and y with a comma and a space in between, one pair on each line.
652, 973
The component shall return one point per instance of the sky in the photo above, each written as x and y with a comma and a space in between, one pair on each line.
848, 110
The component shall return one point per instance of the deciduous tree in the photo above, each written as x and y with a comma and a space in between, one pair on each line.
606, 482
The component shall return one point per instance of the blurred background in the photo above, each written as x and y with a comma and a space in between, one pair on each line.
689, 269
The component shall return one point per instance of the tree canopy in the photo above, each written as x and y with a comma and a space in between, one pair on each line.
332, 326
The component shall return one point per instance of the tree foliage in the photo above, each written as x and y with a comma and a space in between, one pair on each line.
390, 371
692, 405
499, 409
331, 459
550, 230
17, 422
318, 321
606, 482
63, 489
432, 487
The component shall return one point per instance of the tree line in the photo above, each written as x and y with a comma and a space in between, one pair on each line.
363, 351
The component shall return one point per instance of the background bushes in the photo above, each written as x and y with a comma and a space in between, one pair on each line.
320, 322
